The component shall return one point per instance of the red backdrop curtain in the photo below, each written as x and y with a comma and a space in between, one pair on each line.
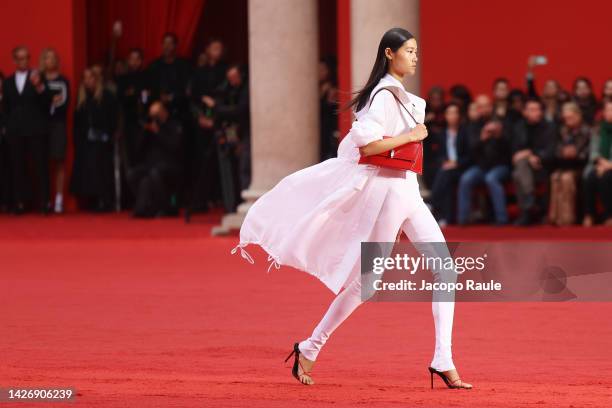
144, 23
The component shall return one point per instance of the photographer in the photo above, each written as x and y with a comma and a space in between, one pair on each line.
232, 124
155, 179
204, 83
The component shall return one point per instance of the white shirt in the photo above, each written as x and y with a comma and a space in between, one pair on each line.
20, 80
451, 144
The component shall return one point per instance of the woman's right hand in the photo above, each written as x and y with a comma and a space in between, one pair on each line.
418, 133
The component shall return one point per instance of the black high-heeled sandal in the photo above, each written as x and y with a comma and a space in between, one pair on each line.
449, 383
297, 363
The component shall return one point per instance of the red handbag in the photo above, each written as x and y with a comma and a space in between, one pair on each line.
408, 156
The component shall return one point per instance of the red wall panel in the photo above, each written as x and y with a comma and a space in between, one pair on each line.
474, 41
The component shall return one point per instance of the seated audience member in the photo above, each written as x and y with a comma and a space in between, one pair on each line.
491, 155
95, 121
156, 178
501, 92
549, 97
606, 94
584, 97
450, 154
533, 143
598, 173
479, 113
461, 96
434, 115
571, 153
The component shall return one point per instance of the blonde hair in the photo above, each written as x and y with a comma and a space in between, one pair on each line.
572, 107
82, 96
43, 56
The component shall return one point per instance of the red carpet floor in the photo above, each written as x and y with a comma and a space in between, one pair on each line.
157, 313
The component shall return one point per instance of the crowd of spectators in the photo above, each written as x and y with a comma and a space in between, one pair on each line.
550, 154
169, 134
151, 138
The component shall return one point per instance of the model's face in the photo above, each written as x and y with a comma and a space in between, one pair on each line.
404, 60
533, 112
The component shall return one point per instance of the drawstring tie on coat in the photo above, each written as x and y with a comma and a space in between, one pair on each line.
243, 252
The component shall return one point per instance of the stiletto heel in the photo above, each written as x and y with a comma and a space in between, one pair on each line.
297, 363
456, 383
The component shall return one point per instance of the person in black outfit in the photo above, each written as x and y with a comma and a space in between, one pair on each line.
533, 148
328, 106
168, 76
132, 97
450, 150
597, 175
4, 164
168, 79
491, 157
155, 179
232, 124
59, 89
205, 82
95, 121
26, 102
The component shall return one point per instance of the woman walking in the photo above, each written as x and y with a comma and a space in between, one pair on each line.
315, 219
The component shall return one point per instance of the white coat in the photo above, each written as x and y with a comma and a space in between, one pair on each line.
316, 218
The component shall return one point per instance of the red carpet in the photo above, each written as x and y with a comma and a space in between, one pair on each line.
157, 313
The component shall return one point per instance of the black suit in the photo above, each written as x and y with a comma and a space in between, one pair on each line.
27, 115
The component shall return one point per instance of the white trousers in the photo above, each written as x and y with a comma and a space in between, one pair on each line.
403, 206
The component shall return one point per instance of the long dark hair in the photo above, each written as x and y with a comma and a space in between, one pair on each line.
393, 39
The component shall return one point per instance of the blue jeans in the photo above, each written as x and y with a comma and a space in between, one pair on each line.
494, 179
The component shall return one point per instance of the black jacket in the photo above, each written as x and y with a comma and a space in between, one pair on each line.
26, 113
539, 138
439, 154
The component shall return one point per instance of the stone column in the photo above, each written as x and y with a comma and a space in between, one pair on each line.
369, 21
284, 99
